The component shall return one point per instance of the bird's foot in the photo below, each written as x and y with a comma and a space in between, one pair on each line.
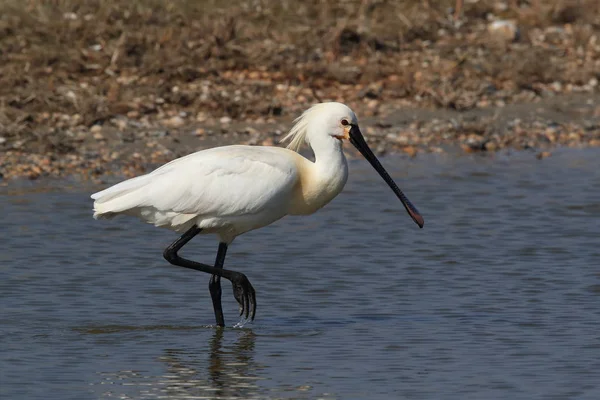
245, 295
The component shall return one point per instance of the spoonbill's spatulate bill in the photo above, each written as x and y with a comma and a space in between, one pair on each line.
231, 190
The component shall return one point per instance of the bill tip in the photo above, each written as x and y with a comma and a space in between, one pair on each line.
418, 219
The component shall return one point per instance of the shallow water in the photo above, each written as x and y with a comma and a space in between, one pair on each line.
498, 297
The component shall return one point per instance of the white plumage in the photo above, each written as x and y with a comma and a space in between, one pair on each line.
233, 189
226, 188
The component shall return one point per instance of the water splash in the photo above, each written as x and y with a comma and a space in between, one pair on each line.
242, 322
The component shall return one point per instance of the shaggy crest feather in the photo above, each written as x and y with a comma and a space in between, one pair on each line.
297, 135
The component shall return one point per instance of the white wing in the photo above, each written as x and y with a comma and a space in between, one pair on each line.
224, 181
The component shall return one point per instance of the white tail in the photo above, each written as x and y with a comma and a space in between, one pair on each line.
120, 197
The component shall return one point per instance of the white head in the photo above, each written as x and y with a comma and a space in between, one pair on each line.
327, 124
323, 121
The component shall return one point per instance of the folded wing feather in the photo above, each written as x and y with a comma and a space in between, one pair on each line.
224, 181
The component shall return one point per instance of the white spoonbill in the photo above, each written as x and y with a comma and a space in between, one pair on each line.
231, 190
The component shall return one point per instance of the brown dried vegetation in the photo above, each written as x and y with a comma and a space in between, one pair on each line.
67, 65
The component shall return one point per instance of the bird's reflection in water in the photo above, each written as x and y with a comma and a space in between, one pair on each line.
231, 368
228, 370
227, 365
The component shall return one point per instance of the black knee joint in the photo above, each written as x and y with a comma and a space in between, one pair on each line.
170, 255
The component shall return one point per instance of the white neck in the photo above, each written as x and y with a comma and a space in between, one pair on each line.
322, 180
329, 171
329, 157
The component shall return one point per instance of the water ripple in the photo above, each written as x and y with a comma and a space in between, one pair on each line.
496, 298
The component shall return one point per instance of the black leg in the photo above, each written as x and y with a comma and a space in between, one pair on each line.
242, 289
214, 286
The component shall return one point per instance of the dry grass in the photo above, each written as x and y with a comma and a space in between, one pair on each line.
93, 60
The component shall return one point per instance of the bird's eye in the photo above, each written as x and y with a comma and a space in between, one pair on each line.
345, 122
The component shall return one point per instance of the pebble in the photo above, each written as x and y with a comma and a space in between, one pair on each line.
121, 124
490, 146
504, 30
250, 130
410, 150
174, 122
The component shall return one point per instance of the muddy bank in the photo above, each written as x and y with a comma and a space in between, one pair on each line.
92, 87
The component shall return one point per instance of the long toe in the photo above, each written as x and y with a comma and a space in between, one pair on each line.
253, 301
245, 295
238, 293
250, 302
